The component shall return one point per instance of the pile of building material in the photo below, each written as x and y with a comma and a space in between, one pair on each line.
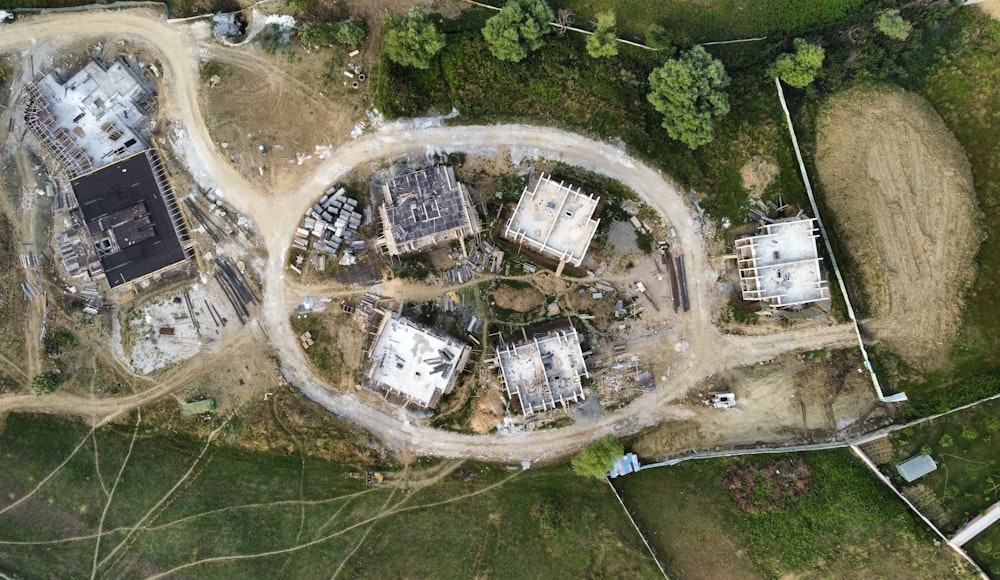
486, 257
236, 288
330, 223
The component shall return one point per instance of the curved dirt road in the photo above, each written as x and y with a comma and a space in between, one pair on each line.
276, 216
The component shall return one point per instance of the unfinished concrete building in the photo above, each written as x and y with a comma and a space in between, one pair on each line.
781, 265
423, 210
127, 213
554, 220
413, 362
544, 372
94, 118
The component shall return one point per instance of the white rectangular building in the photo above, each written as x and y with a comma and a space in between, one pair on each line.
554, 220
413, 362
545, 371
781, 264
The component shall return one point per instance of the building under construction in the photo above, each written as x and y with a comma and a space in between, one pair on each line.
126, 215
781, 265
94, 118
423, 210
544, 372
125, 224
554, 220
413, 362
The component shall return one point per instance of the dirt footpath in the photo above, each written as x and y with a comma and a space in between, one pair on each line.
901, 192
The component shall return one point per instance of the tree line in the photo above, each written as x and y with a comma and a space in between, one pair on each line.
689, 90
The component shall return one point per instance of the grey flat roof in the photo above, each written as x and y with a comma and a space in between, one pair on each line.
916, 467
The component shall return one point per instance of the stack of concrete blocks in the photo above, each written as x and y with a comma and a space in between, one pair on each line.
331, 222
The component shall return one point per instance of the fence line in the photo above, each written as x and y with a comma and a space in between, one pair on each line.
636, 526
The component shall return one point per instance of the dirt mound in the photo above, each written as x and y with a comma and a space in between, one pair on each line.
519, 298
901, 192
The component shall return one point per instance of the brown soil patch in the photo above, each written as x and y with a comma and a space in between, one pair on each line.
991, 7
518, 299
289, 104
758, 174
797, 398
901, 191
768, 488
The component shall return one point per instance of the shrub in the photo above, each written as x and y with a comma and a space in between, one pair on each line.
603, 42
893, 25
595, 461
45, 383
946, 441
798, 69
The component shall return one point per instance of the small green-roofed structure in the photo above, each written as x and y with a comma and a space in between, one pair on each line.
198, 407
916, 467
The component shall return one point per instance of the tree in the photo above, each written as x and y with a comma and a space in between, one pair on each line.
412, 40
595, 461
45, 383
603, 42
798, 69
518, 28
352, 32
893, 25
688, 91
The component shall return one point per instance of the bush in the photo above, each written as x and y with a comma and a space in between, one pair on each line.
799, 69
893, 25
45, 383
603, 42
595, 461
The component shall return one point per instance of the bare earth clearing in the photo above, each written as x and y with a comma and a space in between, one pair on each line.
901, 191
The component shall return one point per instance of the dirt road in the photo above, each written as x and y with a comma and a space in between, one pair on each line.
275, 218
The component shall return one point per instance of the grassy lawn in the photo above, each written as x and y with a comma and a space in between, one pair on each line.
845, 524
716, 20
964, 87
985, 550
230, 502
967, 479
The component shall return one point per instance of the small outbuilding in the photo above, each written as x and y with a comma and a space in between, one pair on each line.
916, 467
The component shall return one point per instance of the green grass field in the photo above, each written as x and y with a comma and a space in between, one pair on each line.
716, 20
846, 525
221, 512
967, 479
985, 550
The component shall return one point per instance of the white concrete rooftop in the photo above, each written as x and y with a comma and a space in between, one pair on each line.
545, 371
781, 264
413, 362
98, 109
554, 220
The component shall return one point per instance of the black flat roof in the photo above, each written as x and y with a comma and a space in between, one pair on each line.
120, 186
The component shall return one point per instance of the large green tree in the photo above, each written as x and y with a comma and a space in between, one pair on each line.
603, 41
798, 69
518, 28
595, 461
412, 40
689, 92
